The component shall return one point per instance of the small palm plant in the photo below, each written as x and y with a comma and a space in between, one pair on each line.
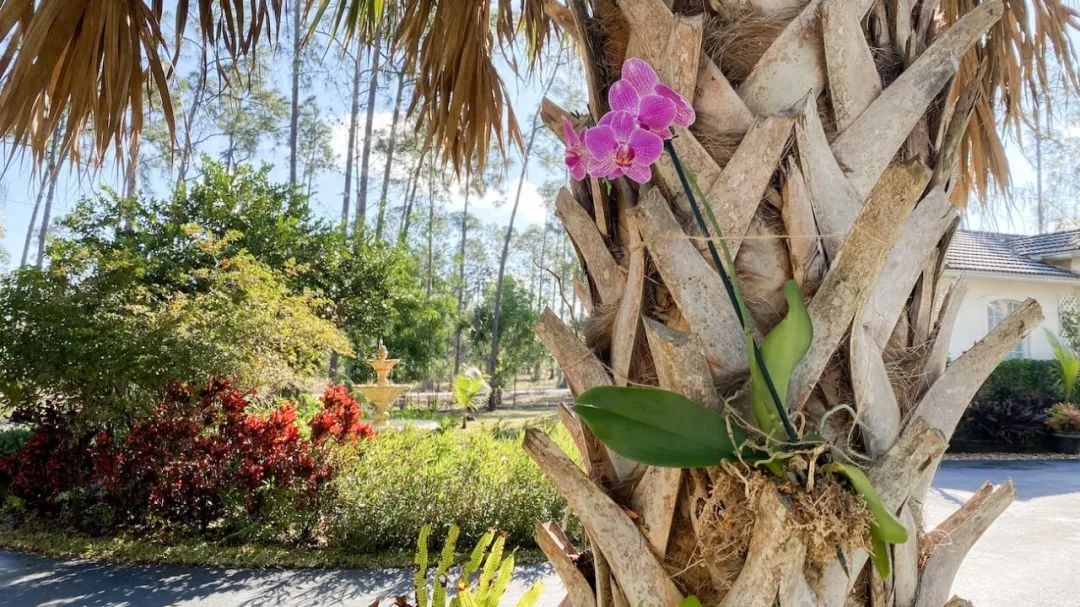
491, 570
467, 389
1068, 365
1064, 417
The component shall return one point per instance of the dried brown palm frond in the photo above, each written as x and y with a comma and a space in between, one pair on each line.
1019, 53
459, 100
85, 65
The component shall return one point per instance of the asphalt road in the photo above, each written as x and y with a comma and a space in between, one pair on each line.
1028, 558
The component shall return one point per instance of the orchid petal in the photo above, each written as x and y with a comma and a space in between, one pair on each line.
622, 125
656, 113
623, 97
604, 168
578, 170
647, 146
600, 140
640, 75
684, 111
640, 173
571, 136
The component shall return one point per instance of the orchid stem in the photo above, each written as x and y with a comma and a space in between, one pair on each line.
730, 282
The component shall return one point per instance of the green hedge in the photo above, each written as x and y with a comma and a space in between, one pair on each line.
1009, 411
1021, 379
478, 479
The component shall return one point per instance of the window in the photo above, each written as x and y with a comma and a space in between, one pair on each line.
996, 312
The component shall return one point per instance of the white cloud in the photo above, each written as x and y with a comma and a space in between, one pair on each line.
496, 205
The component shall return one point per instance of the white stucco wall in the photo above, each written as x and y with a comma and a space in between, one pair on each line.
972, 323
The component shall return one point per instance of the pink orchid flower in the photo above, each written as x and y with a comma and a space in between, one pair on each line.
577, 156
620, 146
656, 105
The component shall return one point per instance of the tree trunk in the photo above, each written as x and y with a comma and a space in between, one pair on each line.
410, 201
50, 195
350, 153
369, 121
294, 110
461, 281
496, 309
45, 177
430, 232
845, 190
187, 150
390, 155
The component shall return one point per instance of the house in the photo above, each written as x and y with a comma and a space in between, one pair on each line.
1001, 271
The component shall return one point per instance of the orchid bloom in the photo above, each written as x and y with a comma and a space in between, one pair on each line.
629, 138
577, 155
656, 105
619, 146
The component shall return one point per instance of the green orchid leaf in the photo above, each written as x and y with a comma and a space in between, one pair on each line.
885, 528
879, 553
781, 350
658, 427
690, 601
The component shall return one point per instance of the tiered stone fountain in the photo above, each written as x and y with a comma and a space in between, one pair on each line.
383, 392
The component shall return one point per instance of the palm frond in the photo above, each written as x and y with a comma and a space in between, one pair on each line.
1020, 53
84, 66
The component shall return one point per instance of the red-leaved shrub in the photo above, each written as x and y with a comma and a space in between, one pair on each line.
339, 419
54, 461
197, 460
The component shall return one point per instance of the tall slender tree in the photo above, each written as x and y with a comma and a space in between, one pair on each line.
390, 147
369, 125
350, 150
496, 309
294, 105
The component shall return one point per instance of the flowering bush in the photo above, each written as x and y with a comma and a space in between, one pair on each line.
630, 138
1064, 417
339, 418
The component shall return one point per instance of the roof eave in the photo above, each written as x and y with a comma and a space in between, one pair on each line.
1013, 276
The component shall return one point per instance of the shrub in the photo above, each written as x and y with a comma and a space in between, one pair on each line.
1064, 417
412, 478
200, 460
339, 419
12, 439
113, 347
1015, 423
1021, 379
54, 460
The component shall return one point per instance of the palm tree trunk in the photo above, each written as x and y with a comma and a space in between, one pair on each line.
350, 153
398, 97
823, 166
369, 121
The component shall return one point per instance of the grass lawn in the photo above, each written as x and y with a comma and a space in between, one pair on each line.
127, 548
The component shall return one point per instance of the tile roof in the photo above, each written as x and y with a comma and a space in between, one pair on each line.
1044, 245
1007, 253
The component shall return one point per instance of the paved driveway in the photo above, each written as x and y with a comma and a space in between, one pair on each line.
1029, 558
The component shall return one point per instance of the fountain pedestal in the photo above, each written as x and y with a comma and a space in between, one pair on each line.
383, 392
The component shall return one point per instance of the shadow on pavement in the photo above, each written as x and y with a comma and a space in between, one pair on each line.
1033, 478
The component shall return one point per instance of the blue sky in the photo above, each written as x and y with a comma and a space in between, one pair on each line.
18, 188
